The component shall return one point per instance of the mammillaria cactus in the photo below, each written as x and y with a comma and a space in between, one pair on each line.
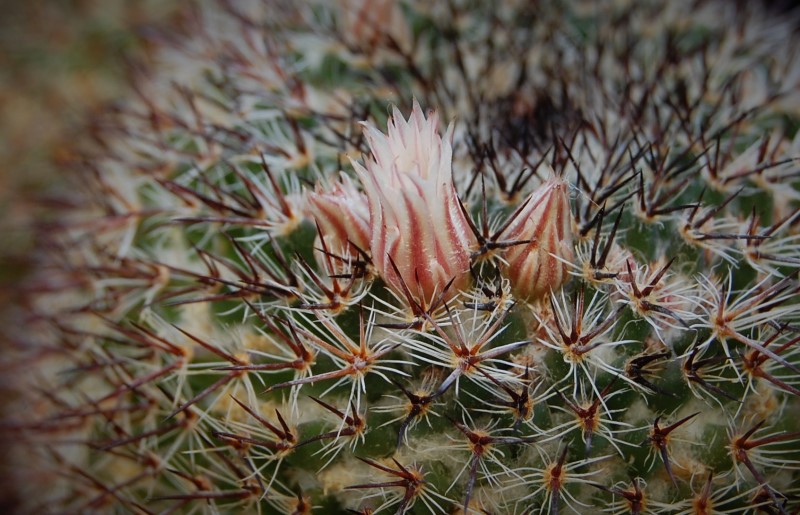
428, 257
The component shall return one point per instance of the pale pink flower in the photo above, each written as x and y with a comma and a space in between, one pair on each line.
544, 220
342, 215
415, 216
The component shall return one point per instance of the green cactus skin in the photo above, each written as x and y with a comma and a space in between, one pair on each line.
201, 339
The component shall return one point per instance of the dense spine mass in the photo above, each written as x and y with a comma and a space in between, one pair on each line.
428, 257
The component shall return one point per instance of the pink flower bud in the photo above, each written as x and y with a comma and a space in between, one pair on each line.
538, 267
415, 216
342, 215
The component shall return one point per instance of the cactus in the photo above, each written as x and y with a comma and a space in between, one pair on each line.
428, 257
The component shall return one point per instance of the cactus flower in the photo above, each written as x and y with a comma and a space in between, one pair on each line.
417, 224
543, 221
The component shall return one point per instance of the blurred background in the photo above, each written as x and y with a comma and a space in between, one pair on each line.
60, 62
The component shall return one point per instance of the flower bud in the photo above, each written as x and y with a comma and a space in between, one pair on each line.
342, 215
416, 221
539, 266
